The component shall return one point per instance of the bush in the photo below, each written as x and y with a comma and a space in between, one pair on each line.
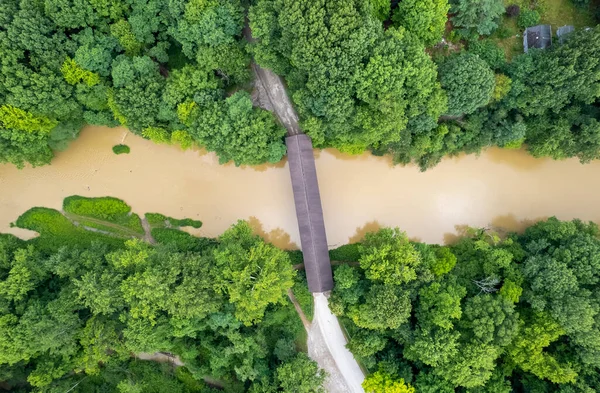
513, 10
183, 241
296, 257
505, 32
345, 253
489, 52
528, 18
121, 149
303, 295
161, 221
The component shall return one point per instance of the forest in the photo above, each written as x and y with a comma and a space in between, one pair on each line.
518, 313
415, 79
78, 302
486, 313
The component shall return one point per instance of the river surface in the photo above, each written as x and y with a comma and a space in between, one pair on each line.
501, 189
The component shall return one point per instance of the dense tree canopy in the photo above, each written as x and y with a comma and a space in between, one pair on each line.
360, 73
501, 315
73, 314
142, 64
354, 85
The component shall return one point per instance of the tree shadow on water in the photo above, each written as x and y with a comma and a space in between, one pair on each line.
371, 226
278, 237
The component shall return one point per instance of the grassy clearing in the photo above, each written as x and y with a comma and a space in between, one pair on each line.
111, 210
509, 37
105, 226
556, 13
56, 230
563, 12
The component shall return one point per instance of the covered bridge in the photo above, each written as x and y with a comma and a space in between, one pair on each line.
309, 213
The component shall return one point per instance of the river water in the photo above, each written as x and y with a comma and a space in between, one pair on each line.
501, 189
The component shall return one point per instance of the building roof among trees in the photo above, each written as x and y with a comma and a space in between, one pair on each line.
539, 36
309, 213
562, 32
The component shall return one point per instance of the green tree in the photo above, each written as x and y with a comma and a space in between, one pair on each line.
389, 257
354, 85
380, 382
469, 82
481, 16
238, 132
300, 375
425, 19
254, 274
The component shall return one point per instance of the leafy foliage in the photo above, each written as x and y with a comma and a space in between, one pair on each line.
501, 315
121, 149
73, 314
469, 82
481, 16
425, 19
528, 18
137, 63
354, 85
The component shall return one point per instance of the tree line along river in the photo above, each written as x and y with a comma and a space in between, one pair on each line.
501, 188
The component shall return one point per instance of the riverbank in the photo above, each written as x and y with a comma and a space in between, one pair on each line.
501, 188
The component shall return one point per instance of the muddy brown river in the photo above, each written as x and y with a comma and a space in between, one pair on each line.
501, 189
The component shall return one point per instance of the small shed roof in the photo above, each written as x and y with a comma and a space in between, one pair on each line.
539, 36
562, 32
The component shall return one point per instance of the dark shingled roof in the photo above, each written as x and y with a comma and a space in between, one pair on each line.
309, 212
539, 36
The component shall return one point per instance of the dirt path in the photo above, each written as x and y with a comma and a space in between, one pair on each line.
74, 218
327, 346
147, 231
271, 87
301, 314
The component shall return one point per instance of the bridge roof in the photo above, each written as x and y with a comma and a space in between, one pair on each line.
309, 213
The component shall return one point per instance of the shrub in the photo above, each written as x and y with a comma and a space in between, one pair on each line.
183, 241
105, 208
345, 253
160, 221
121, 149
513, 10
303, 295
505, 32
528, 18
296, 257
489, 52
